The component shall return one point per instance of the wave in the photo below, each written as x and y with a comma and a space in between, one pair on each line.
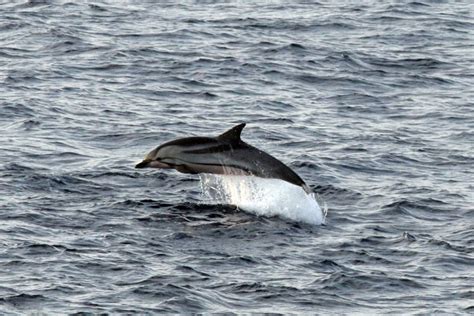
266, 197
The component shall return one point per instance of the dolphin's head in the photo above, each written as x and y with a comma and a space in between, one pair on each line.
175, 153
159, 158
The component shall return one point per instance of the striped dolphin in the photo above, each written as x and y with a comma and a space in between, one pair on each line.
225, 154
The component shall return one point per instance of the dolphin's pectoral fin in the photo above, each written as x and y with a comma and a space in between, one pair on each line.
233, 134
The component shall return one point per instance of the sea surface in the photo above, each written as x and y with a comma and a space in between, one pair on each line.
370, 102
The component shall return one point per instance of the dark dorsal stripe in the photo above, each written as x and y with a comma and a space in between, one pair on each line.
218, 148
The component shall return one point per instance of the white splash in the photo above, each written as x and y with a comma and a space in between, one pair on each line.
267, 197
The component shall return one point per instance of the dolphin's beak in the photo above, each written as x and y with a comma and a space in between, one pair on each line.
143, 164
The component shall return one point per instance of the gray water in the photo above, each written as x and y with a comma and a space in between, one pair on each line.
370, 102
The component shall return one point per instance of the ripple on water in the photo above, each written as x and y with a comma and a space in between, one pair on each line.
370, 108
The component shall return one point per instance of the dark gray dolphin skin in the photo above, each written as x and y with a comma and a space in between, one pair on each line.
225, 154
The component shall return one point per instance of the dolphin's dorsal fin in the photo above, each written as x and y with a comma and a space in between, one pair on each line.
233, 134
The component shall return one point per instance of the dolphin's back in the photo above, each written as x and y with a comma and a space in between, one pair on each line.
211, 155
264, 165
226, 154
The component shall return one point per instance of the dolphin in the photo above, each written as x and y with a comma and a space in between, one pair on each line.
225, 154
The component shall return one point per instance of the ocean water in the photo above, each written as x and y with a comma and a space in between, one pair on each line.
370, 102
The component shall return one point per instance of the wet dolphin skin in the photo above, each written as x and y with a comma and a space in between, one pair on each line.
225, 154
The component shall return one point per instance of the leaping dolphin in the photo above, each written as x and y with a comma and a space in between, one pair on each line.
225, 154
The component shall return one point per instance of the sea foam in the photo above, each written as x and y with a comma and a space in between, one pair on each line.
267, 197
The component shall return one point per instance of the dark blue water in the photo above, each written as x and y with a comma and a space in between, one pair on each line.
370, 102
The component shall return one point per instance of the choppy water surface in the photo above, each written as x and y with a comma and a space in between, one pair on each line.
371, 103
